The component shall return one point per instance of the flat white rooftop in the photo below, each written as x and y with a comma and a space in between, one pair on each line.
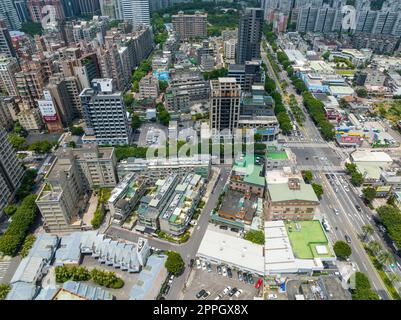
224, 247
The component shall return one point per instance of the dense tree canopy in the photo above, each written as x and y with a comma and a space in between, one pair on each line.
174, 263
342, 249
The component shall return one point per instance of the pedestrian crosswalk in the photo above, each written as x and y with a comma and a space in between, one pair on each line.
324, 168
4, 264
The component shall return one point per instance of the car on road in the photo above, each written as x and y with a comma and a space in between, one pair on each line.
170, 280
346, 188
358, 207
245, 276
224, 271
200, 294
226, 290
240, 278
191, 263
272, 296
232, 292
229, 273
219, 296
219, 271
234, 229
209, 267
203, 265
336, 212
166, 290
223, 227
198, 264
238, 293
382, 228
259, 283
206, 294
347, 238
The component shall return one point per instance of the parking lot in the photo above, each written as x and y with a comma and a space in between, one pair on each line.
152, 134
215, 284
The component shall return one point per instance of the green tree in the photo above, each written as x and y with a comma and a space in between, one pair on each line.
18, 142
362, 93
375, 247
41, 147
22, 220
4, 290
255, 236
32, 28
10, 209
28, 243
362, 290
385, 258
369, 194
308, 176
367, 230
76, 131
342, 249
257, 137
128, 99
136, 121
391, 218
326, 55
174, 263
318, 190
72, 144
357, 179
350, 168
163, 85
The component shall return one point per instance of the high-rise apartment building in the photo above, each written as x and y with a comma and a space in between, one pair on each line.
249, 35
105, 114
11, 171
89, 7
111, 8
225, 94
71, 8
136, 12
8, 68
6, 46
97, 165
21, 6
61, 198
37, 13
9, 15
190, 25
31, 81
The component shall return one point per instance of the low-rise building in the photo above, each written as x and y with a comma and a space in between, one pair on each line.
248, 175
291, 200
152, 204
237, 210
178, 212
151, 279
125, 197
295, 247
126, 256
153, 169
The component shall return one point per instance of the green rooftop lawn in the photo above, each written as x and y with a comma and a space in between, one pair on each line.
277, 155
345, 72
303, 242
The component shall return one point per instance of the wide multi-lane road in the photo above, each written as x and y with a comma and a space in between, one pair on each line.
349, 222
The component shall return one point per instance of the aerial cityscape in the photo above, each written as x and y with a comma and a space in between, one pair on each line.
200, 150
